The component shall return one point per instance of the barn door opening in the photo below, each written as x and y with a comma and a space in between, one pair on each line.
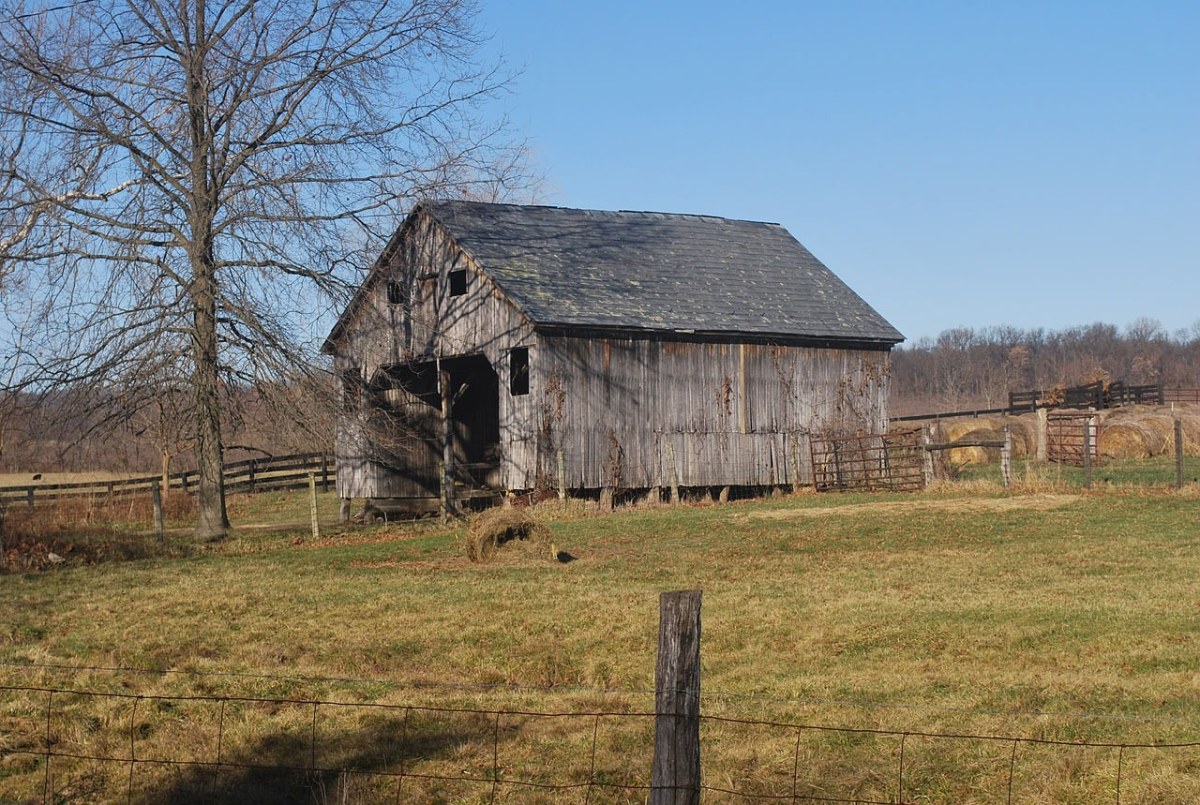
474, 391
409, 405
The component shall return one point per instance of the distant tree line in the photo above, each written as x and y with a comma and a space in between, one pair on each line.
967, 368
82, 428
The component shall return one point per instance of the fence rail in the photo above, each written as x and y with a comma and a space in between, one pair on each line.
249, 475
1093, 395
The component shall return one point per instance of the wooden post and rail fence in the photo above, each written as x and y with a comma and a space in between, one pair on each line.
274, 473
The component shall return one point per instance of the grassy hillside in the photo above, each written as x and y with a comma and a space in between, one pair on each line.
1057, 615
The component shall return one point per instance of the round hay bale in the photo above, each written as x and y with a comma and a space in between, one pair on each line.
494, 528
1129, 438
976, 455
954, 429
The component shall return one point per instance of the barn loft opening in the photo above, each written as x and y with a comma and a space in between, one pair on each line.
395, 293
458, 282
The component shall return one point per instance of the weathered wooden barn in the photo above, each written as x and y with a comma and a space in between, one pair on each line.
619, 350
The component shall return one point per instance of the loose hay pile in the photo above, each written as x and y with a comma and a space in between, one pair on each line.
496, 527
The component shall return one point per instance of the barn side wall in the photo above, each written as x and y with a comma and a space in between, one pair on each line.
419, 321
634, 413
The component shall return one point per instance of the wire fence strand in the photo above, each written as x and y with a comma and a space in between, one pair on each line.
478, 748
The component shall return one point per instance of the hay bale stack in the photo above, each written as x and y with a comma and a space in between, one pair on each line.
1023, 430
497, 527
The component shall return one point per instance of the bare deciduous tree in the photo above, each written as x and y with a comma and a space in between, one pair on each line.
210, 175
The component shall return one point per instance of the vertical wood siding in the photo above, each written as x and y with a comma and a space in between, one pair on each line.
623, 411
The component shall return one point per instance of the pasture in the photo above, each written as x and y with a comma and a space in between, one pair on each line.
1043, 612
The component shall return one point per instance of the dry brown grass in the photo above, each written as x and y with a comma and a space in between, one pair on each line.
85, 530
1030, 615
495, 528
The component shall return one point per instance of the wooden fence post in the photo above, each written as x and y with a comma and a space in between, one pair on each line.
1179, 454
324, 473
927, 457
1006, 458
1087, 452
1043, 427
312, 496
156, 499
675, 776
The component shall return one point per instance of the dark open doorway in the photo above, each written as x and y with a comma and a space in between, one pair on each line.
473, 388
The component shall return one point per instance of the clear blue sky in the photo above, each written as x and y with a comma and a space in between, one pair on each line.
1035, 164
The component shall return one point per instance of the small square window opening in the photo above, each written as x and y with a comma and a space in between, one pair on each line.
458, 282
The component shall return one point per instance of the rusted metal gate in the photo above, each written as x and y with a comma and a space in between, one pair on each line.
1067, 433
877, 461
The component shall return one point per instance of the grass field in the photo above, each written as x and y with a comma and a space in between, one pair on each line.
1044, 612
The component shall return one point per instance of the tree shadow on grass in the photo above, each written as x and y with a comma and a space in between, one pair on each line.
282, 767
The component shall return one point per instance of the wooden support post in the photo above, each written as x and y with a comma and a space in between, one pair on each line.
447, 445
252, 490
324, 473
1006, 458
673, 474
312, 497
794, 456
606, 498
1179, 454
562, 477
156, 499
29, 496
344, 511
675, 776
1043, 428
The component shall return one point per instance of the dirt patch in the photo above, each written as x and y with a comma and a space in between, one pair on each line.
964, 505
309, 544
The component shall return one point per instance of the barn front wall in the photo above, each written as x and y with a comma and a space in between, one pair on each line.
640, 413
431, 317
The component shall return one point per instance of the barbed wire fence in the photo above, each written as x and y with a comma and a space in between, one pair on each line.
410, 759
146, 742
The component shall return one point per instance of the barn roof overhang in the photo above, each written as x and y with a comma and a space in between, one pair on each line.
715, 337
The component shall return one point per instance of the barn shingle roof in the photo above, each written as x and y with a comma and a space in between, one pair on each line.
658, 272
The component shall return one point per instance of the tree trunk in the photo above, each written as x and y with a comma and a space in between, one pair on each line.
166, 472
213, 519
